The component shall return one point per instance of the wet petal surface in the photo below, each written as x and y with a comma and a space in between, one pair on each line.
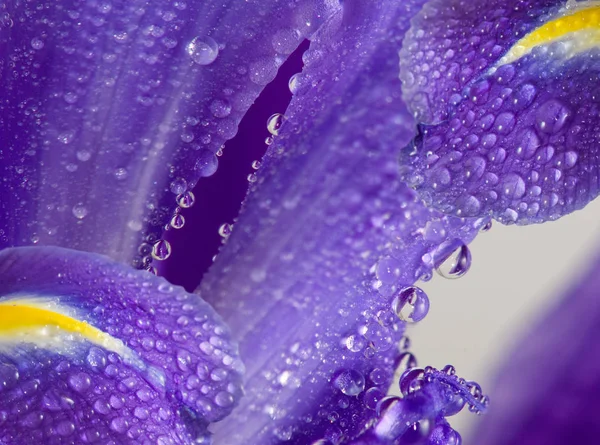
561, 353
326, 240
520, 141
94, 352
111, 111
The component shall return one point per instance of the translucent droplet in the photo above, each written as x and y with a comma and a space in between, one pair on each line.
37, 43
178, 221
294, 83
350, 382
252, 177
220, 108
225, 230
161, 250
186, 200
178, 186
274, 123
411, 304
203, 50
412, 380
406, 361
79, 211
355, 342
452, 259
256, 164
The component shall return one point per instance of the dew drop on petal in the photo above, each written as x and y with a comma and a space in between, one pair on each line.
274, 123
452, 259
350, 382
203, 50
186, 200
411, 304
161, 250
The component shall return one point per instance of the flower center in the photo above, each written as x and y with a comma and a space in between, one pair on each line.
577, 26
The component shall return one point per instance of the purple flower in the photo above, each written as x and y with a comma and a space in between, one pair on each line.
112, 112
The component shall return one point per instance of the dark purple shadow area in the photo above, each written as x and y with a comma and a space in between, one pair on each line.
218, 198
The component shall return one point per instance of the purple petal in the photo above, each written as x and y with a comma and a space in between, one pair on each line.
136, 360
112, 111
561, 354
520, 141
453, 42
326, 239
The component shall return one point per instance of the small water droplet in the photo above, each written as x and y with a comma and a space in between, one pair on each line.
411, 304
256, 164
186, 200
79, 211
452, 259
350, 382
37, 43
161, 250
274, 123
178, 186
178, 221
203, 50
225, 230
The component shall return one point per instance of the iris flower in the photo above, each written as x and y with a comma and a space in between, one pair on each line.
412, 124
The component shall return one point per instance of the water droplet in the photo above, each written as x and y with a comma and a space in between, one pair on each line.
178, 186
263, 71
203, 50
452, 259
411, 380
178, 221
225, 230
294, 83
274, 123
186, 200
220, 108
161, 250
411, 304
372, 397
256, 164
350, 382
513, 186
37, 43
355, 342
552, 116
80, 382
79, 211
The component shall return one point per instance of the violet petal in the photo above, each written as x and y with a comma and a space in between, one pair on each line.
561, 354
107, 353
520, 143
112, 110
325, 240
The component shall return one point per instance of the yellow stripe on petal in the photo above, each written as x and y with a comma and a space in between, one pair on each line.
45, 323
578, 25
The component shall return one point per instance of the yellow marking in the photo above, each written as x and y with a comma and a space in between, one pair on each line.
580, 23
29, 320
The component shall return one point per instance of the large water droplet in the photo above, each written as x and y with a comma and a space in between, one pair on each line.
203, 50
161, 250
186, 200
79, 211
274, 123
411, 304
350, 382
452, 259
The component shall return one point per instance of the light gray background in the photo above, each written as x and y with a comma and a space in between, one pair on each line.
517, 272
